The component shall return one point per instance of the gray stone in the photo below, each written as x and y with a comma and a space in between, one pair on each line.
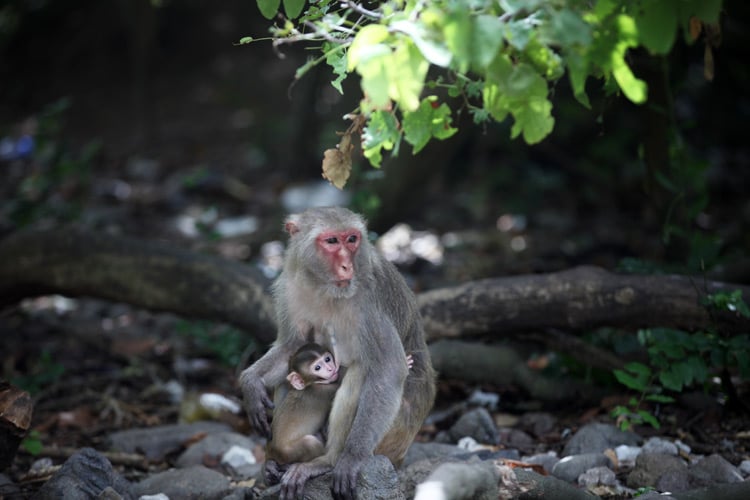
516, 438
597, 437
477, 424
659, 445
649, 467
673, 481
626, 455
213, 446
421, 451
158, 442
744, 468
195, 482
598, 476
474, 480
713, 469
85, 475
538, 423
569, 468
546, 460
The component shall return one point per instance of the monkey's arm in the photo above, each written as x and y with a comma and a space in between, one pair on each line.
380, 380
255, 382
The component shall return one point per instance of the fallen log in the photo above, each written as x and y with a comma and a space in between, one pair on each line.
159, 277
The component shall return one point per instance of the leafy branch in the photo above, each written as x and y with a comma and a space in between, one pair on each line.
502, 58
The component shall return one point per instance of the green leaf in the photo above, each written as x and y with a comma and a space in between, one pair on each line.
486, 40
293, 8
634, 375
567, 28
457, 34
521, 91
578, 70
634, 89
656, 21
336, 59
432, 50
660, 398
494, 96
518, 33
428, 121
268, 7
533, 120
373, 68
672, 378
406, 73
380, 133
363, 43
649, 418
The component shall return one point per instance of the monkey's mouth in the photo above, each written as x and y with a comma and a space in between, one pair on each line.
342, 283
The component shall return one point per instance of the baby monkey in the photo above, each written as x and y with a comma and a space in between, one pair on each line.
313, 379
299, 419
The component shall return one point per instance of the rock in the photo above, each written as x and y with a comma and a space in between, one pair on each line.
649, 467
673, 481
460, 480
659, 445
597, 476
157, 442
546, 460
210, 449
744, 468
242, 463
626, 455
9, 489
477, 424
597, 437
538, 423
570, 467
421, 451
195, 482
713, 469
85, 475
515, 438
535, 486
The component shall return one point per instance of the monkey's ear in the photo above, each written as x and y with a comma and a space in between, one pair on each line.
296, 381
291, 227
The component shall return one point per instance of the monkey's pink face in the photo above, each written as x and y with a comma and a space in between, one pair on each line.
338, 249
325, 368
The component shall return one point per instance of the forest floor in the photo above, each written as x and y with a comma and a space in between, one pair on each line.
95, 367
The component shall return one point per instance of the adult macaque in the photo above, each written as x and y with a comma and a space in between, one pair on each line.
336, 284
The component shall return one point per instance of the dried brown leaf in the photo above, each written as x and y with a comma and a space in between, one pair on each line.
337, 165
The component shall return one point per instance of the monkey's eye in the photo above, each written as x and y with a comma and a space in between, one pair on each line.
317, 368
327, 359
332, 240
352, 238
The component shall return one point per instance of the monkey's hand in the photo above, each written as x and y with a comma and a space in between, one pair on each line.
294, 479
257, 402
345, 477
273, 471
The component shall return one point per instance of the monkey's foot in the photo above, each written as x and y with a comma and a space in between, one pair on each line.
294, 479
